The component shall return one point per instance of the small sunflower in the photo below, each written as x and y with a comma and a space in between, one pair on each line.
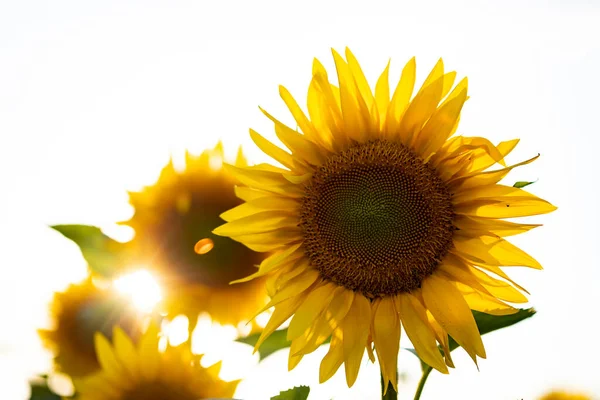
382, 218
173, 223
142, 372
78, 313
564, 395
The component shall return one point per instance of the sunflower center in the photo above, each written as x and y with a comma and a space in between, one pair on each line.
102, 315
158, 391
377, 219
172, 237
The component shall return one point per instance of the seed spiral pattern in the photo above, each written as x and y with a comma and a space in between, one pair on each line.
376, 219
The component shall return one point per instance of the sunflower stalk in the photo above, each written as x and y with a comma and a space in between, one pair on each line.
426, 371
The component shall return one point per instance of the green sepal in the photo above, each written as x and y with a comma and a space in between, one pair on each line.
522, 184
296, 393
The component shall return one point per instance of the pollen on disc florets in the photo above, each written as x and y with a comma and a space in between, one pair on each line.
376, 219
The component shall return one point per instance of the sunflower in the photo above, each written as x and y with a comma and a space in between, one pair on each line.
563, 395
142, 372
381, 218
80, 311
173, 221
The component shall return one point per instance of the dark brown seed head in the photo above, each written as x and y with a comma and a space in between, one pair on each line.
377, 219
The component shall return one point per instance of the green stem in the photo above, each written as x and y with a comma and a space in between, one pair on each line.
426, 372
390, 394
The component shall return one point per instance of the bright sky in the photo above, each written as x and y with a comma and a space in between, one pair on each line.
95, 95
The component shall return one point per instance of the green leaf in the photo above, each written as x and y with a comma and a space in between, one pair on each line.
297, 393
41, 391
277, 341
522, 184
488, 323
102, 253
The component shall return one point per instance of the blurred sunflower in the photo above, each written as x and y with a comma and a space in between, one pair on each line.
563, 395
78, 313
173, 223
380, 219
142, 372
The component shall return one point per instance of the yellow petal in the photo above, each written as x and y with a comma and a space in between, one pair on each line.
125, 351
258, 175
295, 356
436, 72
340, 305
487, 160
247, 194
488, 250
354, 125
356, 326
455, 269
148, 353
322, 117
450, 309
498, 201
290, 271
260, 222
477, 226
499, 289
495, 270
301, 119
270, 241
484, 178
442, 337
317, 300
449, 78
330, 94
386, 335
294, 287
281, 313
334, 357
382, 94
267, 203
109, 362
240, 159
312, 338
478, 153
440, 125
482, 302
272, 150
401, 96
461, 272
359, 77
419, 331
300, 146
458, 89
420, 110
276, 260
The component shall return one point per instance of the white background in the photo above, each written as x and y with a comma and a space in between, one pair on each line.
94, 96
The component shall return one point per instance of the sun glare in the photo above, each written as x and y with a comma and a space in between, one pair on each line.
215, 162
141, 287
177, 330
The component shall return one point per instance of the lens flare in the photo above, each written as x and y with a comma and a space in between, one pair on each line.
141, 287
204, 246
